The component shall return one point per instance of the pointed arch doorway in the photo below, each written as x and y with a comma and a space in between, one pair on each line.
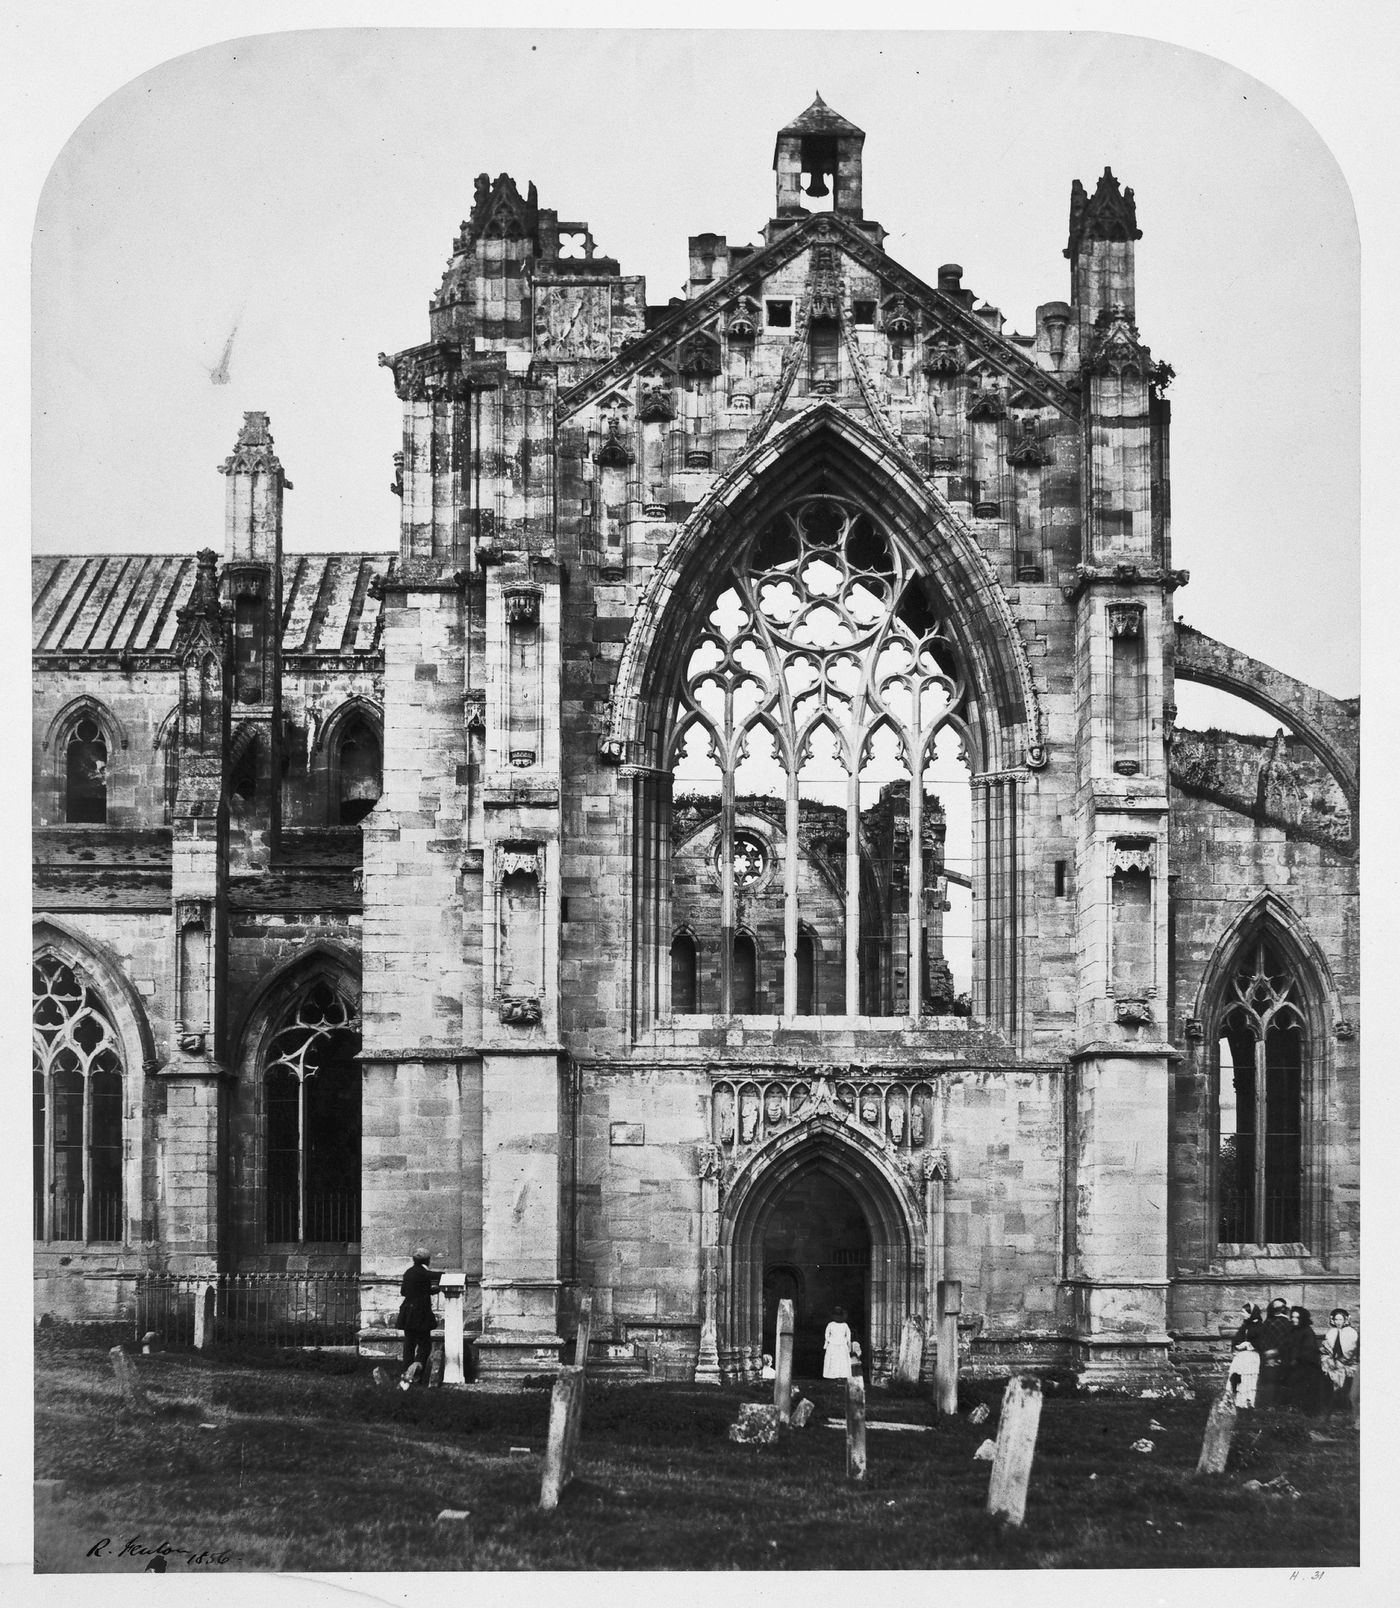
823, 1219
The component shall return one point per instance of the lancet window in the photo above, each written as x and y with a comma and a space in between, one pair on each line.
311, 1088
820, 823
1263, 1054
77, 1109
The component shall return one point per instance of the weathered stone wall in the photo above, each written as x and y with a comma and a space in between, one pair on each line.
1224, 863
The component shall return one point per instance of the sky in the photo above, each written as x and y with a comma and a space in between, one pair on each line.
307, 187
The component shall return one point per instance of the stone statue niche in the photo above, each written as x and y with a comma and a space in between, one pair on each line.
520, 949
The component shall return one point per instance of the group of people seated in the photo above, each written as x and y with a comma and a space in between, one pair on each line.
1280, 1360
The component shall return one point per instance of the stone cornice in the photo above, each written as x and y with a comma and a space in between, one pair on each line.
1087, 576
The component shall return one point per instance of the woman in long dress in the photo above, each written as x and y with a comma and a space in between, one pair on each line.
836, 1344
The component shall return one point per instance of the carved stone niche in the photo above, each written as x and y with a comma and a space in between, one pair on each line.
1133, 854
1133, 1013
522, 605
1124, 619
475, 710
519, 1010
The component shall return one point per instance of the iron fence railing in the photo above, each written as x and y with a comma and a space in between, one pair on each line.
280, 1309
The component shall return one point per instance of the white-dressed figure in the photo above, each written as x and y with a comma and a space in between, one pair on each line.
1244, 1373
836, 1343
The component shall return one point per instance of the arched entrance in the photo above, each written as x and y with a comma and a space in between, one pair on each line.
816, 1250
822, 1216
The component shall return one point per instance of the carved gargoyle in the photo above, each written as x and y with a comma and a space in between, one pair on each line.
522, 1011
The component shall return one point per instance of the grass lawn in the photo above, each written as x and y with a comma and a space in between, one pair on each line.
296, 1462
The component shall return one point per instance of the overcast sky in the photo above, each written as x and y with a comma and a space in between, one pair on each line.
308, 185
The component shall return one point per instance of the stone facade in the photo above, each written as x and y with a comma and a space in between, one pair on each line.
737, 845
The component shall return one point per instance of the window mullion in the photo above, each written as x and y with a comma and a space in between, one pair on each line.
301, 1155
853, 889
1261, 1132
50, 1168
790, 859
916, 871
86, 1153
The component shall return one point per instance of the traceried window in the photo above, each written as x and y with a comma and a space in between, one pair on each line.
85, 775
820, 824
311, 1086
1263, 1049
77, 1110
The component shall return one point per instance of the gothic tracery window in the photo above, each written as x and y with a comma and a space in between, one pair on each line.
311, 1087
1263, 1050
818, 740
77, 1109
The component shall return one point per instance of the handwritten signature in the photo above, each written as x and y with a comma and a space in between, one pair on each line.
158, 1552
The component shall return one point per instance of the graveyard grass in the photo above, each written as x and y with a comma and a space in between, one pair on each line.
291, 1461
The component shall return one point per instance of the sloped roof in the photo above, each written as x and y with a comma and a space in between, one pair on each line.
820, 119
129, 602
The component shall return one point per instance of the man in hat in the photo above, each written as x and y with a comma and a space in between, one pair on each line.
1341, 1346
416, 1317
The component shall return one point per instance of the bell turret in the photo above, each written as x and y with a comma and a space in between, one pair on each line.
823, 147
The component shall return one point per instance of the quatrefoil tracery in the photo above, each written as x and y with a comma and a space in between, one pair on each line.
820, 627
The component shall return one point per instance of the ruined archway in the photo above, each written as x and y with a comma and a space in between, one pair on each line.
820, 1162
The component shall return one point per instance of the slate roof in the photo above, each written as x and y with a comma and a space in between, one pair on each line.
819, 119
128, 602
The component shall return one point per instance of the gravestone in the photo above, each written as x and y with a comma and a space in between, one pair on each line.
1011, 1466
911, 1352
1220, 1433
585, 1330
410, 1375
150, 1341
203, 1316
946, 1373
565, 1413
782, 1376
757, 1424
453, 1286
382, 1379
855, 1428
436, 1367
802, 1413
125, 1369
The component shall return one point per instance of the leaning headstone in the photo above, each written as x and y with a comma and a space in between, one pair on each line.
565, 1411
855, 1428
150, 1341
382, 1379
125, 1369
911, 1352
756, 1425
782, 1377
979, 1414
802, 1413
1220, 1433
585, 1330
1011, 1467
946, 1370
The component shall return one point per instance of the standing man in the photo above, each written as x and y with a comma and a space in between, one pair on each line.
416, 1316
1272, 1339
1341, 1346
